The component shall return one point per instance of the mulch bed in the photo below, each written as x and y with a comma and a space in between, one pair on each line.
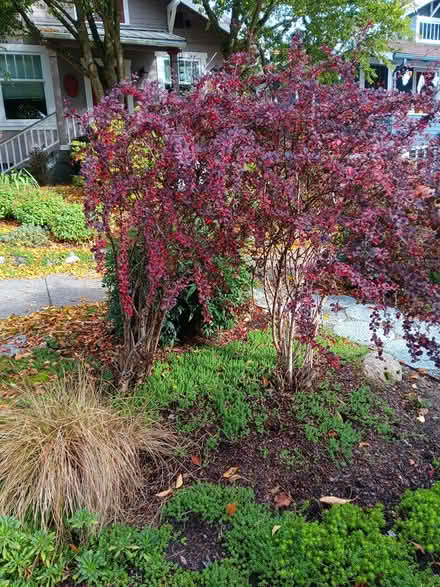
380, 471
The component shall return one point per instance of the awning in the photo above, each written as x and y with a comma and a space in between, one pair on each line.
129, 36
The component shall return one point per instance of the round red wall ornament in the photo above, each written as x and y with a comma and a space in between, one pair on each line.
71, 85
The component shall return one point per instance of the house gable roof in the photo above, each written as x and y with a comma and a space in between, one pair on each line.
224, 24
415, 5
129, 35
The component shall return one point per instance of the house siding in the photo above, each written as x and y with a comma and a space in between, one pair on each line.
40, 13
200, 38
149, 14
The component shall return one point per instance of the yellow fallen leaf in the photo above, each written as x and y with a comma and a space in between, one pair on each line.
275, 530
179, 481
332, 500
230, 472
165, 493
231, 509
421, 419
234, 478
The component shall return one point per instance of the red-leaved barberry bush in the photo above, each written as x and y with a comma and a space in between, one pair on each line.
309, 178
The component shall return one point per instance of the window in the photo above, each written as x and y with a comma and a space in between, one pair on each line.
22, 87
381, 79
191, 68
189, 71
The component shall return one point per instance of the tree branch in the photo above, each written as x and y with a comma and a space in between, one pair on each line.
64, 17
212, 16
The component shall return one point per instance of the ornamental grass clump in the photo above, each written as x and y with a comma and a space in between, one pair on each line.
70, 449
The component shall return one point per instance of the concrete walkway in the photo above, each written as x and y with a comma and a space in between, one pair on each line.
24, 296
353, 320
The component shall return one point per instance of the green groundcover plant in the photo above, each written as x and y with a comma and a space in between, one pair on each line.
348, 546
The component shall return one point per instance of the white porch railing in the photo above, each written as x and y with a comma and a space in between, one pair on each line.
74, 129
428, 29
17, 150
43, 134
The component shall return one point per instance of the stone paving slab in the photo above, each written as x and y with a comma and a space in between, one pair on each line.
65, 290
352, 320
22, 296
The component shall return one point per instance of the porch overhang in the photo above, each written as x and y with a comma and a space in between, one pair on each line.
129, 36
422, 53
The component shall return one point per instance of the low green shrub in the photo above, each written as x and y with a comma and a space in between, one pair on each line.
6, 199
34, 207
323, 411
420, 518
185, 317
69, 224
65, 220
27, 235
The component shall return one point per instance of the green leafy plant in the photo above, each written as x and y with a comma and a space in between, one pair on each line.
27, 235
419, 521
6, 198
185, 317
70, 449
29, 556
18, 179
31, 206
338, 420
69, 224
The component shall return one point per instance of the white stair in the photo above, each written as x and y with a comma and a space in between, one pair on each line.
42, 135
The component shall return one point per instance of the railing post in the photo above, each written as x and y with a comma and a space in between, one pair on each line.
59, 105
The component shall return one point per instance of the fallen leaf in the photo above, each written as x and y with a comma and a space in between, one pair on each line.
265, 381
362, 444
275, 530
414, 376
179, 481
230, 472
195, 460
282, 500
332, 433
231, 509
421, 419
19, 356
74, 548
165, 493
234, 478
412, 462
418, 547
274, 490
332, 500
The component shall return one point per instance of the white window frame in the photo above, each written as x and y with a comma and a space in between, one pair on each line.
161, 56
47, 81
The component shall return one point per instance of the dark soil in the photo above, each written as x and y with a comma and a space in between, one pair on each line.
380, 471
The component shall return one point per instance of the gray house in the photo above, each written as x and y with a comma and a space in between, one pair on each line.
158, 36
410, 59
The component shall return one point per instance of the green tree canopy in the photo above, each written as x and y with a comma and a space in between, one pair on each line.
335, 23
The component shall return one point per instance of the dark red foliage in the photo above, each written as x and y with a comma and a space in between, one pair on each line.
275, 162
